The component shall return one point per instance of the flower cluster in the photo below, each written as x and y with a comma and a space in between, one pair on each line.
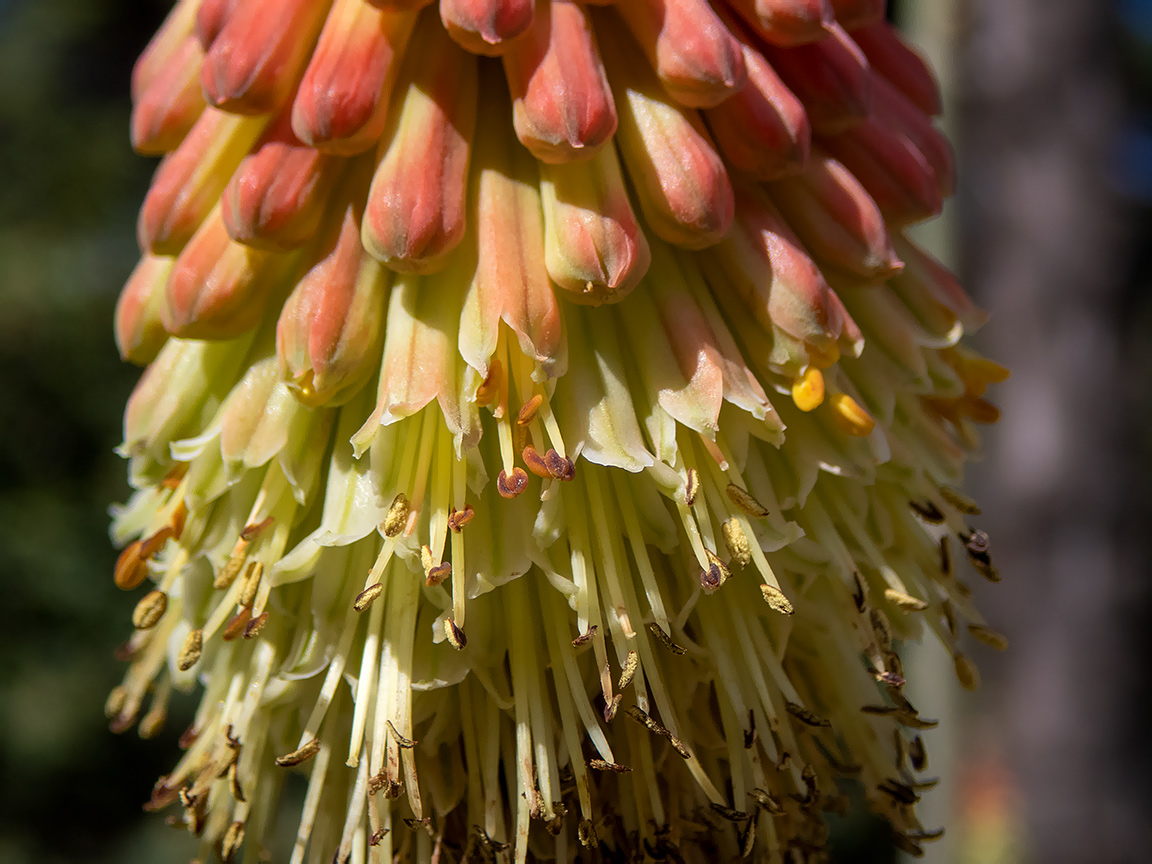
548, 433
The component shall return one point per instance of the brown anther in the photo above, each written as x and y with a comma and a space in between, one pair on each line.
907, 845
252, 577
718, 571
586, 832
510, 487
149, 610
615, 768
230, 845
528, 410
377, 836
729, 813
454, 635
901, 792
648, 722
296, 757
879, 710
364, 598
188, 738
253, 627
585, 637
130, 568
437, 573
692, 487
859, 593
890, 678
929, 512
397, 517
178, 518
988, 636
743, 499
736, 541
535, 463
665, 640
405, 743
155, 543
234, 629
961, 502
560, 467
918, 754
750, 734
255, 529
457, 519
966, 672
611, 707
234, 783
808, 718
417, 824
766, 802
163, 796
631, 664
487, 392
882, 629
949, 617
946, 556
190, 650
904, 601
776, 600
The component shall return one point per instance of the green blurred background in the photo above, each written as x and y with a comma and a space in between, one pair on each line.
1050, 230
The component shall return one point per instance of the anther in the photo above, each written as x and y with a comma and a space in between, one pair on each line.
487, 392
560, 467
149, 610
929, 512
535, 463
961, 502
736, 541
743, 499
601, 765
631, 663
904, 601
296, 757
692, 487
404, 743
255, 529
611, 706
776, 600
457, 519
190, 650
918, 754
808, 718
397, 516
364, 598
966, 672
436, 574
808, 390
454, 635
130, 568
850, 417
510, 487
988, 636
665, 640
156, 542
528, 410
585, 637
232, 568
252, 577
945, 556
234, 629
253, 627
377, 836
233, 838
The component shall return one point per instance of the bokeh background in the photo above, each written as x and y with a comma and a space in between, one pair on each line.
1051, 108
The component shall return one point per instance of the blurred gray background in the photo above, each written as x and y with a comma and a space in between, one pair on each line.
1051, 110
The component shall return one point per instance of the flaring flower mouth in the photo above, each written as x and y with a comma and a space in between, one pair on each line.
549, 433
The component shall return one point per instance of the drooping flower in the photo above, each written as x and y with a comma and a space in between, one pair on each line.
548, 433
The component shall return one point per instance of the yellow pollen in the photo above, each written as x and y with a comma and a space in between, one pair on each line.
808, 390
822, 358
850, 417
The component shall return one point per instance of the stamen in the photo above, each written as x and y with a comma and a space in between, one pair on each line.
808, 390
850, 417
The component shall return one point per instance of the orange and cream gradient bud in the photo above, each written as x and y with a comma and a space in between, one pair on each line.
549, 432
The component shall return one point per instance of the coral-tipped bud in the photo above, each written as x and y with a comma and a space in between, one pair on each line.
342, 103
763, 130
415, 214
836, 219
698, 60
276, 198
189, 181
169, 105
830, 77
903, 68
486, 26
211, 16
786, 22
219, 288
896, 111
561, 104
256, 58
139, 331
593, 245
331, 329
678, 176
157, 56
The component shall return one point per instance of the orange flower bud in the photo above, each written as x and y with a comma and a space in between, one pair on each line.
342, 103
903, 68
830, 77
899, 113
486, 26
593, 245
786, 22
157, 55
837, 221
165, 109
140, 333
211, 16
256, 58
415, 214
562, 106
851, 14
699, 61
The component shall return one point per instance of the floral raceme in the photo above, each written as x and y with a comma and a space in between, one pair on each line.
549, 433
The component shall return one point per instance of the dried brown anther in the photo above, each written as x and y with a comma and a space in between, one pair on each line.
437, 573
404, 743
297, 757
585, 637
601, 765
510, 487
454, 635
255, 529
253, 627
729, 813
457, 519
536, 463
528, 410
665, 640
234, 629
808, 718
929, 512
131, 568
560, 467
364, 598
